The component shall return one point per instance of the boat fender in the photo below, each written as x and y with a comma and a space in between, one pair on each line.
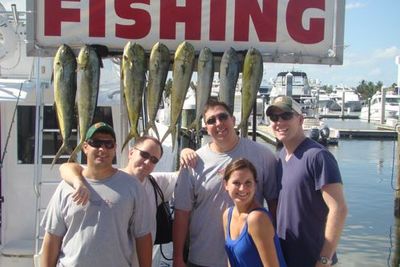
324, 132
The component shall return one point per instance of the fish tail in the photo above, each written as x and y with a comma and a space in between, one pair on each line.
243, 128
173, 135
132, 134
152, 125
74, 155
166, 133
60, 151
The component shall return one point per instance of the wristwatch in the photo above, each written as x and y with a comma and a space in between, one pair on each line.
325, 261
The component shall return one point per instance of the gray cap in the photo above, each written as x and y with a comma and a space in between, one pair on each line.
285, 103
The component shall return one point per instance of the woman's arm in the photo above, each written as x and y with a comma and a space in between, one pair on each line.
262, 231
72, 174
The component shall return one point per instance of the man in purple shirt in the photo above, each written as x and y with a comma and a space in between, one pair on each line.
311, 207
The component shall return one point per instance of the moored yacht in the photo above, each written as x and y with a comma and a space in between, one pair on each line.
391, 107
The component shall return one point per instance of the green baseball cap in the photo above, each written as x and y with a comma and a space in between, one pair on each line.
101, 127
285, 103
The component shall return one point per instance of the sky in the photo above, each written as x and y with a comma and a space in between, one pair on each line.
372, 42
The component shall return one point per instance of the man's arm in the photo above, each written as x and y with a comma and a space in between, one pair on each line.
50, 250
144, 250
179, 233
72, 174
334, 199
272, 206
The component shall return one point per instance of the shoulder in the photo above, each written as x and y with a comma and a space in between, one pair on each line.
251, 145
161, 176
258, 220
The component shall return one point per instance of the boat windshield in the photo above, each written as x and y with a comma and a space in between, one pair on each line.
393, 101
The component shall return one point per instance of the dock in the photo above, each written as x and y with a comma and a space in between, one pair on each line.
382, 132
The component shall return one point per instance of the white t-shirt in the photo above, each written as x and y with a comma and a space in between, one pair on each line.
166, 181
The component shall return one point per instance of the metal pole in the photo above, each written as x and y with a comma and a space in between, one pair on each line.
397, 194
38, 149
383, 100
396, 257
343, 99
369, 110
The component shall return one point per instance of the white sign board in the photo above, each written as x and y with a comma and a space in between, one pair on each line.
289, 31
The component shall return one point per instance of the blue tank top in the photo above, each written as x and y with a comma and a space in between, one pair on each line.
242, 251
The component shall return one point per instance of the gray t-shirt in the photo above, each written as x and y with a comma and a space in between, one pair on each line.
103, 232
201, 191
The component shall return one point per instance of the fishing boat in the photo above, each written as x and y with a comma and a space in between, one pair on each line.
391, 107
293, 83
30, 138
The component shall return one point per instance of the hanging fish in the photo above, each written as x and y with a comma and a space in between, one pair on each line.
252, 76
205, 75
64, 81
228, 77
158, 70
181, 76
89, 64
133, 79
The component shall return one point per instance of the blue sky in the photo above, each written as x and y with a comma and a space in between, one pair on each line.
372, 41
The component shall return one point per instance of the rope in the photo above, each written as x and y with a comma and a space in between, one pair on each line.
9, 130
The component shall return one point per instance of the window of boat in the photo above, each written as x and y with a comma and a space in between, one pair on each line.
393, 100
51, 137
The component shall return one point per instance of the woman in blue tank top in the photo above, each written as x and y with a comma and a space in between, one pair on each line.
251, 239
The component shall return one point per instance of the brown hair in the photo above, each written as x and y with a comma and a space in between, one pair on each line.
239, 164
211, 103
142, 139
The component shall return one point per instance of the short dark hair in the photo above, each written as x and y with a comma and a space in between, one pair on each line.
239, 164
211, 103
142, 139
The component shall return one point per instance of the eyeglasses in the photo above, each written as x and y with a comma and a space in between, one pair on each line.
109, 144
147, 155
213, 119
284, 116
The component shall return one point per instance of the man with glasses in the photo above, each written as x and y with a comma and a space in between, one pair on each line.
143, 157
200, 197
311, 207
108, 230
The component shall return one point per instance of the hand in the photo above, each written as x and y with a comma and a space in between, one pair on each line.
188, 158
82, 193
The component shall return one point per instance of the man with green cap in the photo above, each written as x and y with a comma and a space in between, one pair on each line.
111, 229
311, 206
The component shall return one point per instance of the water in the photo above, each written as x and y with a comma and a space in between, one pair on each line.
367, 170
369, 174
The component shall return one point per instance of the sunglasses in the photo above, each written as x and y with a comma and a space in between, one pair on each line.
147, 155
213, 119
284, 116
109, 144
